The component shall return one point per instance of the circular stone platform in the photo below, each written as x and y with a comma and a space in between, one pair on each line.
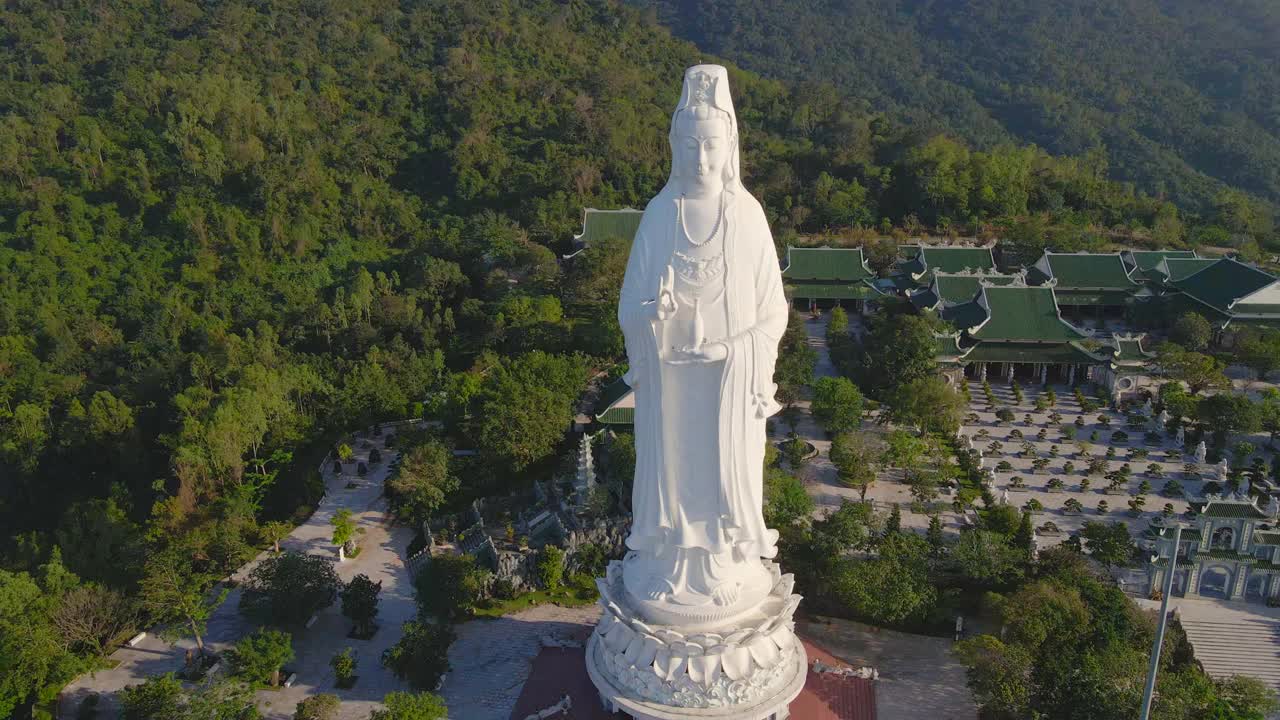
775, 706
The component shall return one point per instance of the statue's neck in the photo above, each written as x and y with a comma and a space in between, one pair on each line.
702, 191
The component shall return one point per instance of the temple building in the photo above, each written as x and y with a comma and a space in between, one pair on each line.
1010, 330
1093, 283
1229, 551
825, 277
1228, 293
1143, 264
921, 261
599, 225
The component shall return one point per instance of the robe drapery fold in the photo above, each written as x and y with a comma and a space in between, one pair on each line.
757, 316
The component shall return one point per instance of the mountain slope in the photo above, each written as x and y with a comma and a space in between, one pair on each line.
1183, 95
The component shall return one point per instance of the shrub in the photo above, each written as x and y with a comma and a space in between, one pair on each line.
1172, 488
1073, 505
1017, 482
1120, 437
1033, 505
421, 656
1055, 484
318, 707
1015, 434
1004, 414
1103, 507
1004, 466
551, 567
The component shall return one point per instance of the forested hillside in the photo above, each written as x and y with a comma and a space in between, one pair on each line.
1184, 96
231, 230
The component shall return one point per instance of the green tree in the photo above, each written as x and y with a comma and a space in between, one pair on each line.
1109, 544
837, 404
928, 403
157, 698
856, 456
1191, 331
174, 591
344, 528
893, 586
898, 350
291, 587
30, 653
1200, 372
422, 482
450, 586
360, 602
421, 656
259, 657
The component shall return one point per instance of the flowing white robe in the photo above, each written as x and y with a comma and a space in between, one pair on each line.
756, 318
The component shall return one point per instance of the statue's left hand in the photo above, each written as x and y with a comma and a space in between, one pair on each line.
704, 353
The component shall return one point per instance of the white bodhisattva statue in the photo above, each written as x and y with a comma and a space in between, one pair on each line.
697, 615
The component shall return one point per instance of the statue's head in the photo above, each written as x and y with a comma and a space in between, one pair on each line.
704, 130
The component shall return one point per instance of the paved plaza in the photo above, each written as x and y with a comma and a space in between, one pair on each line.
381, 558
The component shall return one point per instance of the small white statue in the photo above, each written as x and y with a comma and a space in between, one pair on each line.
1223, 470
1180, 437
1202, 453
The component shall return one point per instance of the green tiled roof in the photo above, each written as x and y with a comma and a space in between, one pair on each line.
1076, 298
1024, 314
617, 403
1088, 270
600, 225
924, 299
1149, 259
1066, 352
1229, 509
947, 347
843, 264
949, 258
1180, 268
964, 315
1266, 537
1224, 282
1129, 349
963, 288
831, 291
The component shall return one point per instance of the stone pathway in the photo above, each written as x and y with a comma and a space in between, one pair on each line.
919, 678
381, 558
491, 659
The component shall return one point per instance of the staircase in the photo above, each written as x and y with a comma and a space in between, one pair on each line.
1230, 642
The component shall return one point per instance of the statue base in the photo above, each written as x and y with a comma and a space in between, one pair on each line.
748, 669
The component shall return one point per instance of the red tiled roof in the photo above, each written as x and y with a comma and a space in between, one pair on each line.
557, 671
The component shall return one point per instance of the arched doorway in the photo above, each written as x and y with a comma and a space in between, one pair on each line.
1180, 580
1214, 582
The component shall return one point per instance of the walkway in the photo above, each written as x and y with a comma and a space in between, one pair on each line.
492, 659
381, 558
919, 678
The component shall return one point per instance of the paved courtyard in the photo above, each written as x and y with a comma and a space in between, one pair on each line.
381, 558
982, 428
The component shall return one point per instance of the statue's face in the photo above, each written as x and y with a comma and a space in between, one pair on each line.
704, 152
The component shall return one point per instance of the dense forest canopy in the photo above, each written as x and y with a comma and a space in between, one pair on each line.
1182, 96
231, 231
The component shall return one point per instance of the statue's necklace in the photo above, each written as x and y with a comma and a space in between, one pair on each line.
715, 229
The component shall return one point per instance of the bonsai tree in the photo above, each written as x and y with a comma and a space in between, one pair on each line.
1069, 467
1041, 404
1097, 465
994, 447
344, 667
1190, 470
1053, 451
1004, 466
1039, 464
1172, 488
1016, 482
1026, 419
1051, 398
1139, 453
1028, 449
971, 418
1084, 484
1004, 414
1015, 434
1049, 528
1144, 487
344, 530
1104, 419
1135, 505
1155, 471
1079, 421
1167, 510
1033, 505
983, 433
1044, 433
1055, 485
318, 707
1111, 453
1211, 488
1151, 437
1103, 507
1093, 436
1073, 505
1119, 437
